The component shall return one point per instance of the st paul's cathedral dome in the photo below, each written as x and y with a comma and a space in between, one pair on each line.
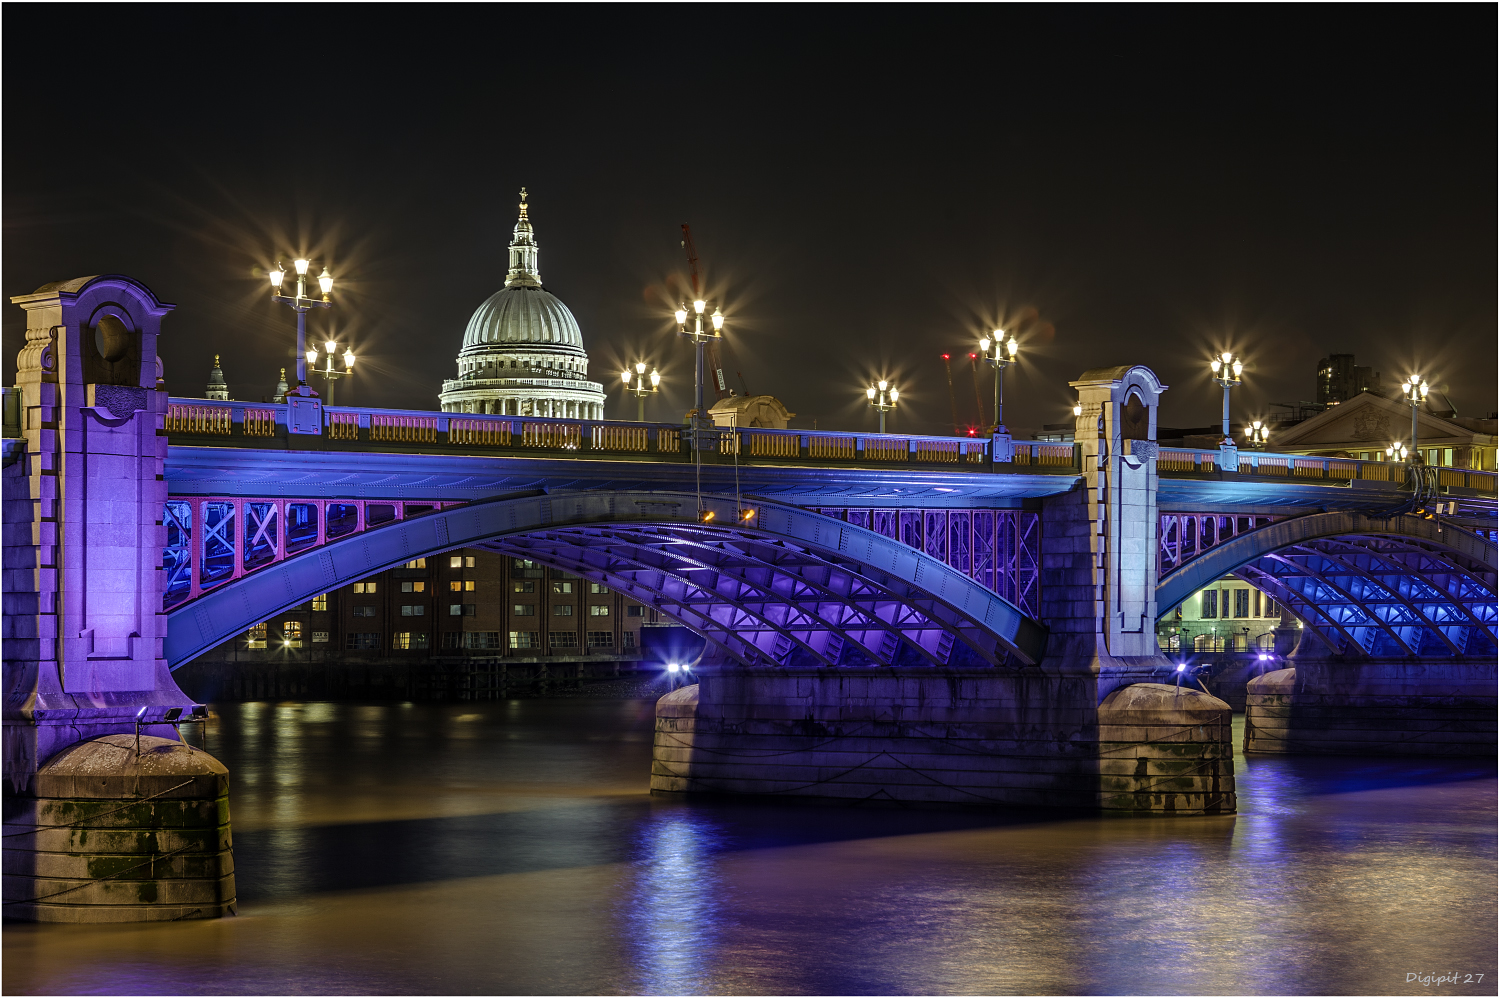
523, 351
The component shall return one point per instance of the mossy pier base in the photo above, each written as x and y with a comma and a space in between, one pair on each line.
120, 829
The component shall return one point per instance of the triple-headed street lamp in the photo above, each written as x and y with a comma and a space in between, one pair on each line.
1257, 434
883, 396
999, 361
301, 303
1396, 451
1415, 391
700, 337
1226, 368
329, 375
639, 387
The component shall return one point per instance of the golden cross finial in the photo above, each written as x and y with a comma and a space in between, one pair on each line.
523, 202
216, 360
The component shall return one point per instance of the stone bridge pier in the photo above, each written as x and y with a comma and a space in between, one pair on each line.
1093, 718
108, 815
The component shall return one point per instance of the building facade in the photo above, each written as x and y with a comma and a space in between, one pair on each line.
1339, 380
523, 352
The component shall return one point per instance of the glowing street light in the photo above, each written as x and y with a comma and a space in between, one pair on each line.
883, 396
1003, 356
1415, 391
700, 337
1257, 434
1226, 368
300, 302
1396, 451
329, 375
639, 387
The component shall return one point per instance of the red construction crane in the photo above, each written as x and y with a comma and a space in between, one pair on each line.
716, 380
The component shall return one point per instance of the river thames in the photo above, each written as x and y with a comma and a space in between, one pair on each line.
513, 848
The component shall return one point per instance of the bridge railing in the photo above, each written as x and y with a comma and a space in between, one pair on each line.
251, 424
1262, 464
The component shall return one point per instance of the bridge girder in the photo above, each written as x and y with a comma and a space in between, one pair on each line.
1380, 587
806, 581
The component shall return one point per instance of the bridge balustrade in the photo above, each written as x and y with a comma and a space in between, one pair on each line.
405, 428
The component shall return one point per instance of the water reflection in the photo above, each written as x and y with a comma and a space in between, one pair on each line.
512, 848
672, 902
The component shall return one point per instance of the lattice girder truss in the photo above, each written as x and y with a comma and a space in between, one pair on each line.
1383, 596
765, 601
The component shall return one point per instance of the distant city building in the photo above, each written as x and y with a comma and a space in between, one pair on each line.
1339, 380
217, 390
523, 352
1363, 427
281, 389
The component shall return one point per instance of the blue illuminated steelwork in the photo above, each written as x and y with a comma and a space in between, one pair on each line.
796, 588
1399, 587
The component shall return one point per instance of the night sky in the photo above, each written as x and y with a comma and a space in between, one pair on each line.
868, 187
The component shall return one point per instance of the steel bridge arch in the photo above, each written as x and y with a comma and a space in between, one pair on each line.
1398, 586
794, 588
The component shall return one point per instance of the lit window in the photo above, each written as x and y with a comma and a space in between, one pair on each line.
320, 637
469, 562
419, 563
456, 561
598, 611
563, 610
413, 587
523, 610
256, 636
364, 587
562, 587
523, 587
469, 586
455, 586
291, 630
462, 609
416, 610
320, 602
409, 641
598, 588
523, 639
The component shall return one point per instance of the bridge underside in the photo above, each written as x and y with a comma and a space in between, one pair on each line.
762, 600
792, 588
1402, 587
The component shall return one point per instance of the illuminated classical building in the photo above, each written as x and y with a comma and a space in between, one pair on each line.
523, 352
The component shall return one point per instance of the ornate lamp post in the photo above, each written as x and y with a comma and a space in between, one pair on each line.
1257, 434
1415, 391
883, 396
1226, 368
639, 387
329, 375
999, 360
1396, 451
301, 303
699, 336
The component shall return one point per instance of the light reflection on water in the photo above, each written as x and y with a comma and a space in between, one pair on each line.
511, 848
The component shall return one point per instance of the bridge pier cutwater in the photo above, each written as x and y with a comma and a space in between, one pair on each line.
108, 815
870, 655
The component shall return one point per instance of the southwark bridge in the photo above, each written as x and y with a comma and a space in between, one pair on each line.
919, 619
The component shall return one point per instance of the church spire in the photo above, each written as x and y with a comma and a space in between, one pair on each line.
523, 271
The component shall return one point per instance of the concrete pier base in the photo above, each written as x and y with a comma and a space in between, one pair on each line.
1373, 708
945, 736
116, 834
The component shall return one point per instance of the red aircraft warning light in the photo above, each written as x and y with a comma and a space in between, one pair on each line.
945, 356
